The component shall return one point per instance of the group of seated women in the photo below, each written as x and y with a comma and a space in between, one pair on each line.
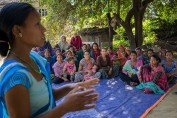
147, 71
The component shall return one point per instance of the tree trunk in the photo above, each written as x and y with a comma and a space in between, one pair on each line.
138, 10
138, 29
110, 29
138, 16
131, 37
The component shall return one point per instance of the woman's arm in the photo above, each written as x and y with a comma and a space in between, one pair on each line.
74, 68
62, 91
80, 67
156, 76
98, 61
73, 102
18, 101
64, 68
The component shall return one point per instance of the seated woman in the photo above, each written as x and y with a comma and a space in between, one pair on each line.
81, 52
130, 69
110, 53
49, 59
95, 51
121, 56
85, 67
47, 45
63, 44
162, 55
170, 67
58, 70
153, 77
105, 66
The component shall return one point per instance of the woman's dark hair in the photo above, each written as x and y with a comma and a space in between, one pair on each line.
11, 14
59, 55
150, 50
169, 52
69, 59
133, 52
95, 44
87, 51
157, 58
110, 48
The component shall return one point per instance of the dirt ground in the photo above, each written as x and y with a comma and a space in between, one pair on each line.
167, 108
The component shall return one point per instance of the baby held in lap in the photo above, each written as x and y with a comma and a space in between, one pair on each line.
90, 73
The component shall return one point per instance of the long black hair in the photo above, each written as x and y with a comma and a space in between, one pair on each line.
12, 14
157, 58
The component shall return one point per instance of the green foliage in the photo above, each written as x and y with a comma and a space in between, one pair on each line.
149, 35
117, 42
68, 16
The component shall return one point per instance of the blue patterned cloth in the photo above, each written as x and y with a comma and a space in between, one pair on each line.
116, 100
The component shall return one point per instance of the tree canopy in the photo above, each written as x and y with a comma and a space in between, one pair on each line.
67, 16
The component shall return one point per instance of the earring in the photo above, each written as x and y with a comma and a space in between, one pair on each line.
20, 35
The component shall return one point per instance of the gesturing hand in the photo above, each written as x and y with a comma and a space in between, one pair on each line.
89, 83
80, 100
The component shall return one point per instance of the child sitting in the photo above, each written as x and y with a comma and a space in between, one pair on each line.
91, 73
69, 68
58, 70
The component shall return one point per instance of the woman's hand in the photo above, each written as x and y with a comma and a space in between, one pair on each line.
80, 100
89, 83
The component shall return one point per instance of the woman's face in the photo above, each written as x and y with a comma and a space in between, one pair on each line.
133, 56
87, 55
109, 51
153, 61
169, 56
150, 53
138, 52
47, 53
58, 52
88, 46
95, 47
63, 39
163, 53
84, 47
121, 49
103, 52
59, 58
68, 54
32, 31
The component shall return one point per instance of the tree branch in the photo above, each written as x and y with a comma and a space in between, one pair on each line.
119, 20
129, 15
145, 4
118, 7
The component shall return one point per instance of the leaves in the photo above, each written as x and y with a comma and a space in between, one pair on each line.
68, 16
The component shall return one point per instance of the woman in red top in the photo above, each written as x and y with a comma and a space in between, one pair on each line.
95, 51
